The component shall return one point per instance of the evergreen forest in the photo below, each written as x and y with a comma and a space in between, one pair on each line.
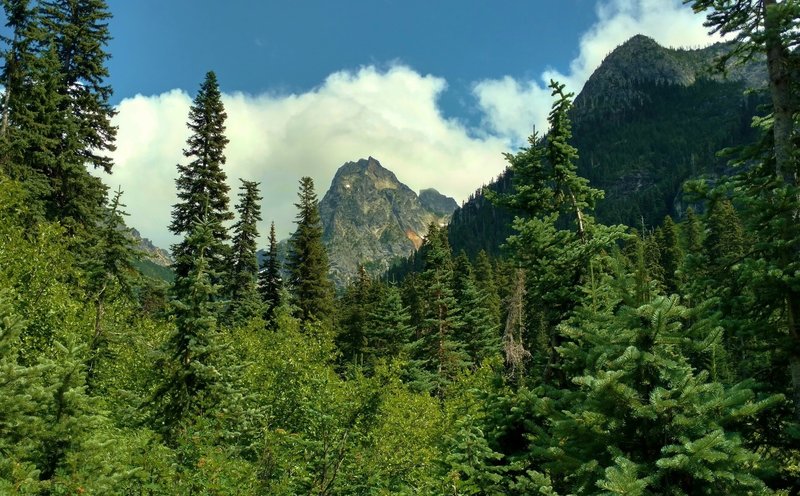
656, 356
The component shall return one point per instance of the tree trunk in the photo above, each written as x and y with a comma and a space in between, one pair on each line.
780, 89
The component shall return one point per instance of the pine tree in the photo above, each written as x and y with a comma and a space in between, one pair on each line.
480, 335
487, 285
307, 261
438, 352
202, 191
109, 269
270, 283
671, 255
190, 374
389, 332
243, 279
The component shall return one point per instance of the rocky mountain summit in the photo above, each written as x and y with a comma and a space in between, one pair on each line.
371, 218
616, 85
158, 256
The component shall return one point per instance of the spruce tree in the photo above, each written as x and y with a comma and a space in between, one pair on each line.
480, 335
270, 283
109, 269
671, 255
243, 279
307, 262
549, 196
202, 191
438, 353
389, 332
189, 372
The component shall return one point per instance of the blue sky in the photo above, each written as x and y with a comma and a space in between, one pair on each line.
292, 46
436, 90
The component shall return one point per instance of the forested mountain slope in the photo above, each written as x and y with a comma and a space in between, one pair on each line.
648, 119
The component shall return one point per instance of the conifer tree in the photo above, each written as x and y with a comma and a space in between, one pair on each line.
549, 194
438, 352
190, 374
768, 185
109, 268
671, 254
57, 117
307, 261
487, 285
643, 415
389, 332
33, 122
243, 279
202, 191
355, 322
270, 283
480, 335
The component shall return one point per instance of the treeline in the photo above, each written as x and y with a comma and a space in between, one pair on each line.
595, 359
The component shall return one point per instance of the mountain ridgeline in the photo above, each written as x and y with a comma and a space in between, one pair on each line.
648, 119
370, 218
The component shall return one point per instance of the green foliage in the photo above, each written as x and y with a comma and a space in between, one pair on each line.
270, 284
307, 263
243, 276
189, 365
202, 191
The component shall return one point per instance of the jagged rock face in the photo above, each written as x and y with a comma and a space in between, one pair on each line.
371, 218
157, 255
437, 203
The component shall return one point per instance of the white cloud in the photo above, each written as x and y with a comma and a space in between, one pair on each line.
275, 139
511, 107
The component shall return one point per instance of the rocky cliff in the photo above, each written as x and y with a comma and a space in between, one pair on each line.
371, 218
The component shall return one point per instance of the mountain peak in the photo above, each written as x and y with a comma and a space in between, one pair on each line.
617, 84
371, 218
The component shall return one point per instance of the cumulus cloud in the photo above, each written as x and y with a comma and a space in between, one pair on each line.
275, 139
511, 107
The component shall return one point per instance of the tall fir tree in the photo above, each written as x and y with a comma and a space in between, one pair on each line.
190, 375
71, 38
109, 270
307, 261
270, 282
479, 333
438, 353
245, 302
202, 191
767, 187
549, 195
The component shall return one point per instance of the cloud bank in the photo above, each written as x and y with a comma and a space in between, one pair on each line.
391, 114
275, 139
